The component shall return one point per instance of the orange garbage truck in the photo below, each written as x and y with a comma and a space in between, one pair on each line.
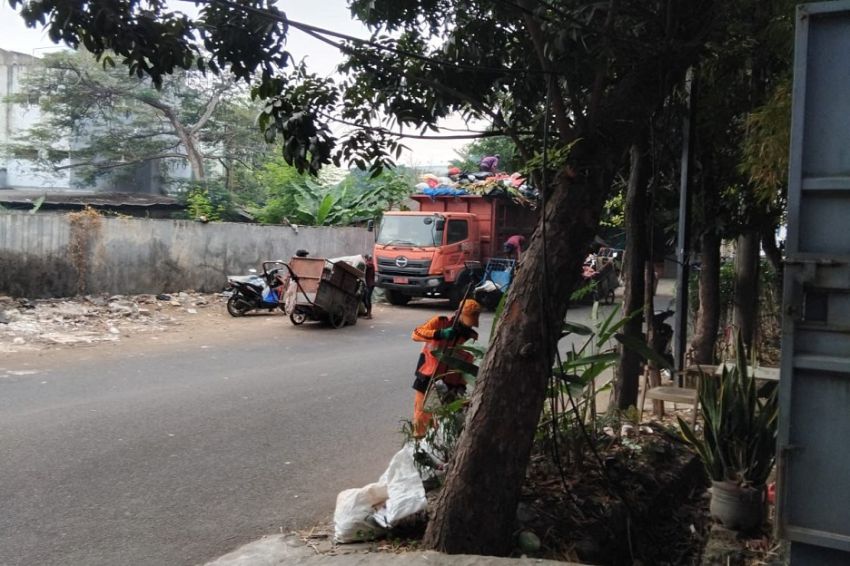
441, 248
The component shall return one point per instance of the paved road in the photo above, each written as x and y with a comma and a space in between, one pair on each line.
176, 450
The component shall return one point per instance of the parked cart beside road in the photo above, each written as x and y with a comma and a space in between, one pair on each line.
323, 290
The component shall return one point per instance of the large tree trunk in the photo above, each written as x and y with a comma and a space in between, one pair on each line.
629, 369
475, 510
708, 315
193, 154
745, 301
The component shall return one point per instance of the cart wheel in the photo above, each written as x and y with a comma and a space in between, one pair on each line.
337, 317
236, 306
353, 312
297, 318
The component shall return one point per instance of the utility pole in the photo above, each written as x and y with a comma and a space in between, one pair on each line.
683, 259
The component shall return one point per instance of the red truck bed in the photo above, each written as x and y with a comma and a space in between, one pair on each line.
498, 218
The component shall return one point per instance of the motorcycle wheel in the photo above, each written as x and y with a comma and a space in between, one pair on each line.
297, 318
609, 298
236, 306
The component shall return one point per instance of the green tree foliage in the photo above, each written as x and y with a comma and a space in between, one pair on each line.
210, 201
199, 206
112, 124
765, 148
298, 199
469, 155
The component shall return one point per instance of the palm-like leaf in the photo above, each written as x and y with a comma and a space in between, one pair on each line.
739, 433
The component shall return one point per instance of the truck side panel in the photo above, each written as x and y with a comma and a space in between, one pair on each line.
497, 220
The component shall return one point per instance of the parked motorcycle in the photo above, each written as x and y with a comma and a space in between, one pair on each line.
257, 291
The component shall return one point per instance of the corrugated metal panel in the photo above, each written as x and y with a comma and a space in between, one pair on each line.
814, 465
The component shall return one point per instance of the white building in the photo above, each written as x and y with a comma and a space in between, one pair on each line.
19, 171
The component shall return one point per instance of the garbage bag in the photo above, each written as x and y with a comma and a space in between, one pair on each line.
405, 492
487, 287
366, 513
353, 513
356, 261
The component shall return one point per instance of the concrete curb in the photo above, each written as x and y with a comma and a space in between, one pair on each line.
289, 550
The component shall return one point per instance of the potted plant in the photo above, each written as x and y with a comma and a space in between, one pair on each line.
737, 445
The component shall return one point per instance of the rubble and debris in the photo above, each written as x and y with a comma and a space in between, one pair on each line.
28, 324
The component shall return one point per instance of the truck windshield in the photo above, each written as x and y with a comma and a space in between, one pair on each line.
410, 231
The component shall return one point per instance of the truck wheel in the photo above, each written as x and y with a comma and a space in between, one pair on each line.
396, 298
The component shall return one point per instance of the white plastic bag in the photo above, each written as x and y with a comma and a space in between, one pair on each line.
290, 297
353, 514
405, 492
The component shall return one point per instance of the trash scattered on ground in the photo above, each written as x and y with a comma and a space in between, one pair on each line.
368, 512
29, 324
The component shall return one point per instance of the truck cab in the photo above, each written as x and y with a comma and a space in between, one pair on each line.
439, 250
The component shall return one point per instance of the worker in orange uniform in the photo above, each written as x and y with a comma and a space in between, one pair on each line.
440, 333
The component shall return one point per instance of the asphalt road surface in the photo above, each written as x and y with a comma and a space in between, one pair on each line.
174, 449
177, 448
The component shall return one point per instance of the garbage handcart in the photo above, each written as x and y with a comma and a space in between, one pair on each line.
497, 277
319, 289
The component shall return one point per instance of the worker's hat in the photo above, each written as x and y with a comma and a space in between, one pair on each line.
469, 311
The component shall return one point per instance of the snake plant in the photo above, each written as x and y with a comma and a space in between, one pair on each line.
738, 441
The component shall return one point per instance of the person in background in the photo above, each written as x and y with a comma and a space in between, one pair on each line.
440, 333
514, 246
369, 277
489, 163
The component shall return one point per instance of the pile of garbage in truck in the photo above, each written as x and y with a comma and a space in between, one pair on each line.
481, 183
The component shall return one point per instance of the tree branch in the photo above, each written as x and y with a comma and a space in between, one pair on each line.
121, 164
211, 105
601, 69
475, 136
565, 129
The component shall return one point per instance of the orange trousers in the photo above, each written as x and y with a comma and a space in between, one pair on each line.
421, 419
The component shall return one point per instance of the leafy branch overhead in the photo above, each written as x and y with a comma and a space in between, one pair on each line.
397, 82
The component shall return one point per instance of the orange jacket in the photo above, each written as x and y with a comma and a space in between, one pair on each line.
428, 364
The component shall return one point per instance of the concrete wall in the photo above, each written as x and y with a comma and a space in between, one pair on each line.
46, 255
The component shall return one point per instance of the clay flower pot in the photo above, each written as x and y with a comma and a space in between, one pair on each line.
735, 506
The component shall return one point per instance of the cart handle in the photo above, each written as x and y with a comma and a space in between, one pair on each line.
297, 282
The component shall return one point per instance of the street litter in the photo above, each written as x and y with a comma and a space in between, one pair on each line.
368, 512
36, 324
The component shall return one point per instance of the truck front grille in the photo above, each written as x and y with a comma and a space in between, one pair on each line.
387, 266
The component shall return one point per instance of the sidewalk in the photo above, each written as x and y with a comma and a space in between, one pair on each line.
289, 550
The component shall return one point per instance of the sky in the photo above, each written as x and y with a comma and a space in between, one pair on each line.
321, 58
